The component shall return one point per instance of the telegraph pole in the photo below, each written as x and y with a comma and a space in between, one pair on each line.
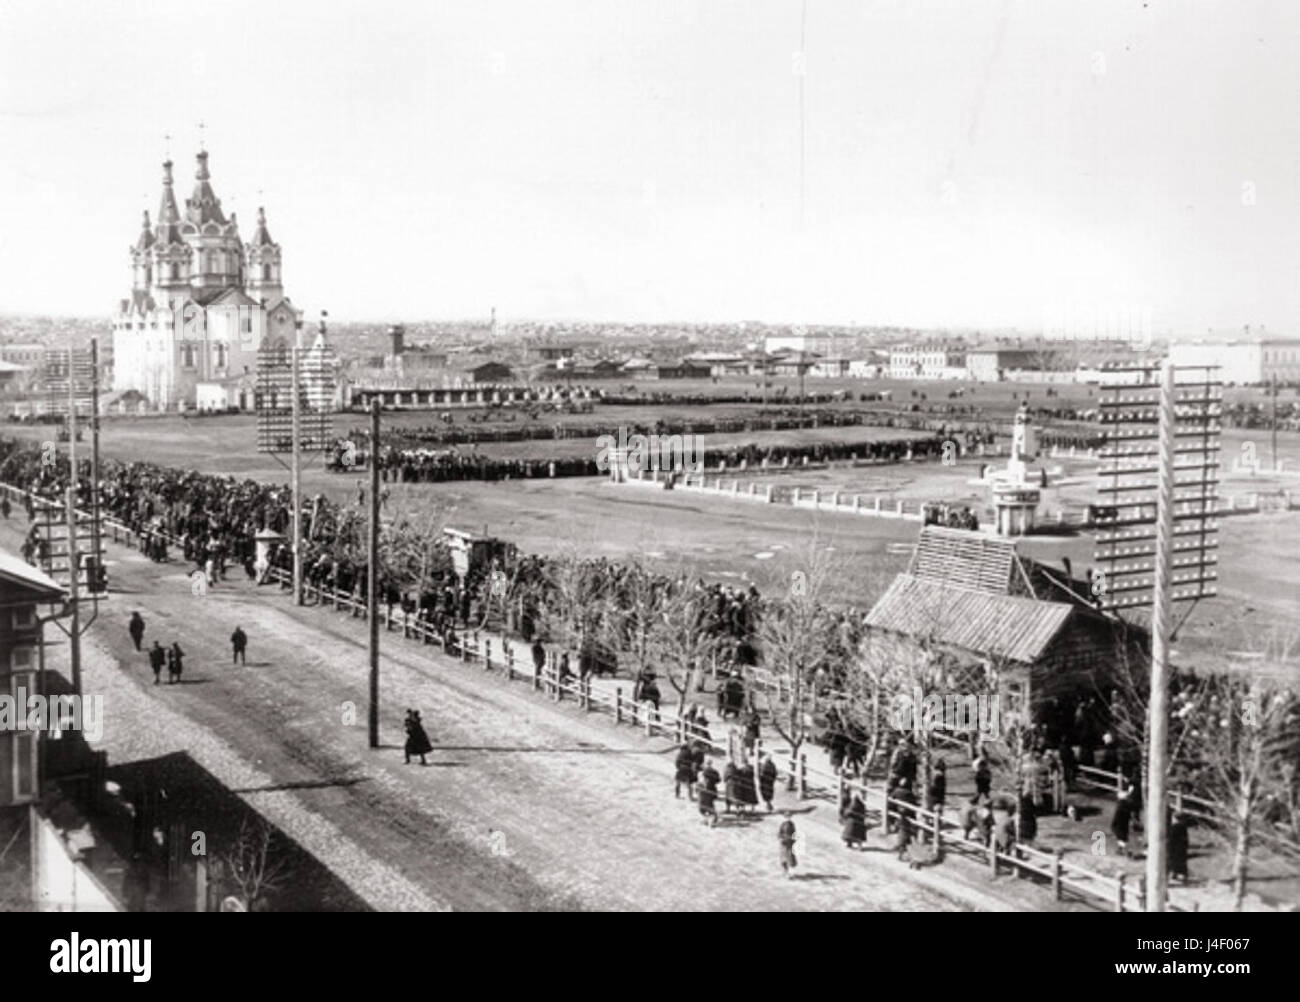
95, 543
372, 572
74, 600
1273, 393
296, 469
1158, 711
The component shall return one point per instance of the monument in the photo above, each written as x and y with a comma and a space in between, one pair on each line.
1015, 495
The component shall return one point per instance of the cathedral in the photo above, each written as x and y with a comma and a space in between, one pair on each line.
202, 302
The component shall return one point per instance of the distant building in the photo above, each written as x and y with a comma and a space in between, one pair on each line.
720, 363
476, 372
829, 368
202, 302
990, 365
12, 376
1244, 361
30, 355
828, 345
927, 361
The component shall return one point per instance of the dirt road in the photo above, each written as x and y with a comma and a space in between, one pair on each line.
523, 805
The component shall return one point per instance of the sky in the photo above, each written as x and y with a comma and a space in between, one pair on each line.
898, 162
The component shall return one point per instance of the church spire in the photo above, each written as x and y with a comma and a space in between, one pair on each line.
145, 240
262, 238
168, 215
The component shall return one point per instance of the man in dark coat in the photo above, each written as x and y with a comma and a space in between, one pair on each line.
539, 657
708, 790
983, 777
417, 740
854, 832
136, 629
157, 658
238, 644
685, 766
1177, 854
767, 780
175, 663
938, 788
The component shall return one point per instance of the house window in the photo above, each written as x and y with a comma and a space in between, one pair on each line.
187, 356
175, 272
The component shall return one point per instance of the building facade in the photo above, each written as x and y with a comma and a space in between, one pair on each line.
1244, 362
202, 301
927, 361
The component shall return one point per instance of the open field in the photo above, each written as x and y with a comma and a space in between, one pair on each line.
747, 543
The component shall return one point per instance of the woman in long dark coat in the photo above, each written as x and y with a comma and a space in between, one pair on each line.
175, 662
417, 741
854, 832
729, 792
746, 794
767, 780
1119, 824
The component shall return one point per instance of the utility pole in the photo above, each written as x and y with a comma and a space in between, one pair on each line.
296, 469
372, 572
1273, 394
95, 542
74, 637
1158, 709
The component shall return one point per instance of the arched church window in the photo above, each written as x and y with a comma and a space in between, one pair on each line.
266, 273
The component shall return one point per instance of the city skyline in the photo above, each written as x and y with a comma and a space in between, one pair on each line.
984, 166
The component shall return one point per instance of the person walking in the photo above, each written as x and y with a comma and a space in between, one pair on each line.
417, 740
157, 658
904, 816
938, 788
785, 837
767, 781
685, 772
753, 729
136, 628
983, 777
238, 645
708, 790
1119, 823
854, 831
175, 663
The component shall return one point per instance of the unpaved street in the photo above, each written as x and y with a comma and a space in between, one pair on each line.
523, 805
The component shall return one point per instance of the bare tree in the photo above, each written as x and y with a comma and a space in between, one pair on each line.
1239, 741
796, 635
681, 639
249, 865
